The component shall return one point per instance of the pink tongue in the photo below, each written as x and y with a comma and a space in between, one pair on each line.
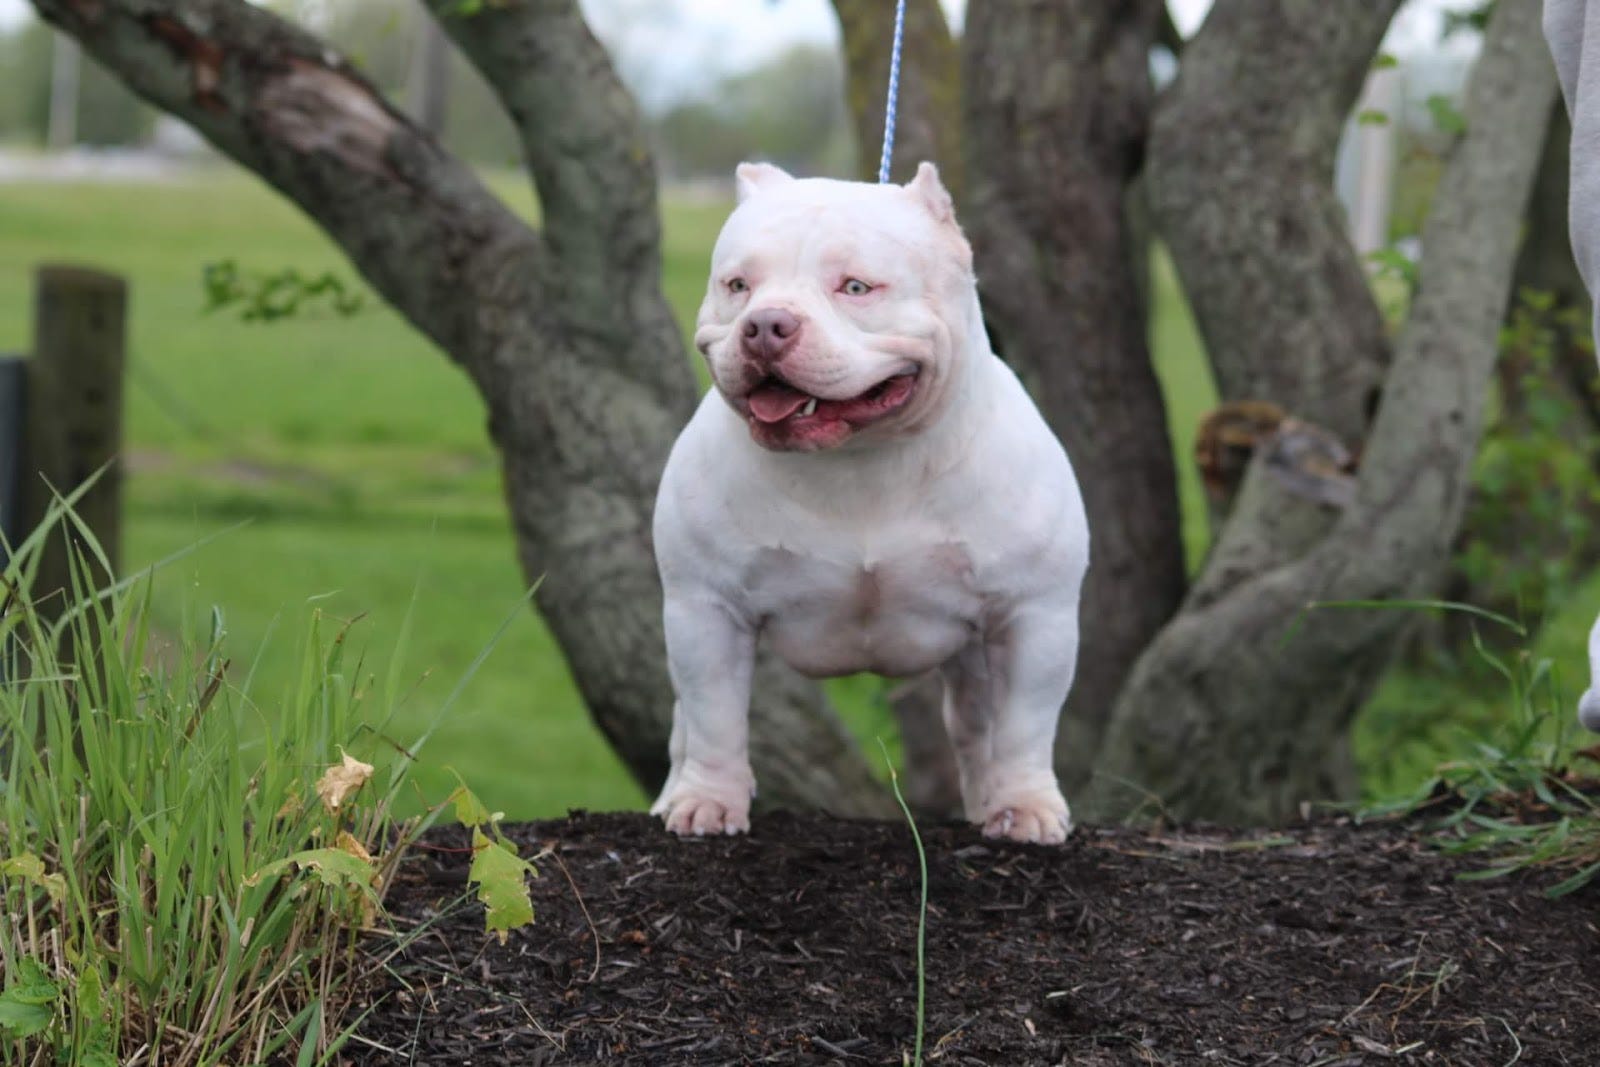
775, 402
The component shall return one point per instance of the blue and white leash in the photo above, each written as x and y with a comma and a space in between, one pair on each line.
894, 93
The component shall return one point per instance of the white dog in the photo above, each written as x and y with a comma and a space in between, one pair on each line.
869, 489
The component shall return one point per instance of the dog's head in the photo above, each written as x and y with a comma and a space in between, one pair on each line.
837, 311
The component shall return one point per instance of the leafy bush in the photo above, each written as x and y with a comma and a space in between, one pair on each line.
1534, 509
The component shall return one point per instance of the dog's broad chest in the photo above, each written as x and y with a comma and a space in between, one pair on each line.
892, 609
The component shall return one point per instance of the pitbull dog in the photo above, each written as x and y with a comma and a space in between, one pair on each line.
869, 488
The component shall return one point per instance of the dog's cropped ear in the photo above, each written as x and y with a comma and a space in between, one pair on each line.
750, 178
928, 189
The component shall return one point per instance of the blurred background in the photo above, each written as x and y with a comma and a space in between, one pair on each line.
356, 457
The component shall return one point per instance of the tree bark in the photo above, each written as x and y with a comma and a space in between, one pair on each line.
564, 331
1239, 712
1241, 156
928, 119
1057, 103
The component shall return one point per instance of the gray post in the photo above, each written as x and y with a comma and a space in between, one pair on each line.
13, 389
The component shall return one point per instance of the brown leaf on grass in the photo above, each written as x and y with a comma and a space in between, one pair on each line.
342, 781
368, 902
348, 843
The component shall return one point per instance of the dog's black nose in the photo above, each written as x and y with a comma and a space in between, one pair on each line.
769, 333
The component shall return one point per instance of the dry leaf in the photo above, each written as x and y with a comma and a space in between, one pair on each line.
347, 841
342, 781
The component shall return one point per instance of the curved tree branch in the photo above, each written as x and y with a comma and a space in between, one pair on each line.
1262, 686
282, 104
566, 334
1241, 156
585, 147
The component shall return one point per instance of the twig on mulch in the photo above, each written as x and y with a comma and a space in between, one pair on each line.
593, 931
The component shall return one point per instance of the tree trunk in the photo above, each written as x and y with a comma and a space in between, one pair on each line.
1058, 97
928, 119
1239, 712
564, 331
1241, 161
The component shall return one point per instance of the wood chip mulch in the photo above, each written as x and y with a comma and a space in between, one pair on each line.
1332, 945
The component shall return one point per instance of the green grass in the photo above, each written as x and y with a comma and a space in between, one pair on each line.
175, 885
357, 453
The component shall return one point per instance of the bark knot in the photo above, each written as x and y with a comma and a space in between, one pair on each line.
204, 57
314, 109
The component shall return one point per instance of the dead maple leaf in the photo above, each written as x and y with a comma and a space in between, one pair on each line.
342, 781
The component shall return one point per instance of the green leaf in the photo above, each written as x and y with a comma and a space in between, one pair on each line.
33, 984
91, 995
98, 1048
469, 809
1577, 881
97, 1057
1384, 61
1393, 261
1446, 116
332, 867
22, 1020
28, 1004
1373, 117
30, 869
501, 877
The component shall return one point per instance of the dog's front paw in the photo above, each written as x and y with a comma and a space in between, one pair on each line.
1039, 816
698, 805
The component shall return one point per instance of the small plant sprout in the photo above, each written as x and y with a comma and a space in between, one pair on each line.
922, 908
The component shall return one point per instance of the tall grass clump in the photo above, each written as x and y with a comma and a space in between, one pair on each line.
186, 867
1516, 795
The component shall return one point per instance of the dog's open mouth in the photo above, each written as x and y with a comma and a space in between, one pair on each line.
775, 402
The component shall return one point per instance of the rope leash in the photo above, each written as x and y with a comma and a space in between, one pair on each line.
894, 93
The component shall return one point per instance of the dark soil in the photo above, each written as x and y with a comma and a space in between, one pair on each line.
1326, 945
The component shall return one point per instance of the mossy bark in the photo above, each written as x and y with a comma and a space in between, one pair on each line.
1240, 710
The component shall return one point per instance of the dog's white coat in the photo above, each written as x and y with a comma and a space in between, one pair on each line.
949, 536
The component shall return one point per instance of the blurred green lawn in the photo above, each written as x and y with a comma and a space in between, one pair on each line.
357, 453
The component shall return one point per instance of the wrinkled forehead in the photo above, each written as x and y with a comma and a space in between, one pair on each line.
816, 221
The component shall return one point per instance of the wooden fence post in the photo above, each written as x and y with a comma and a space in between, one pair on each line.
74, 417
13, 397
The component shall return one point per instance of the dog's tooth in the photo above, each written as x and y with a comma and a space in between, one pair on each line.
810, 408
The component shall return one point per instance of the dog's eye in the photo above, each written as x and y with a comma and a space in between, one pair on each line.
855, 287
737, 285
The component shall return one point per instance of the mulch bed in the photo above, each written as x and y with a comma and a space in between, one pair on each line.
1329, 944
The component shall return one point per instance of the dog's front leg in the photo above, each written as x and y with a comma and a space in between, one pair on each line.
1003, 698
711, 655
